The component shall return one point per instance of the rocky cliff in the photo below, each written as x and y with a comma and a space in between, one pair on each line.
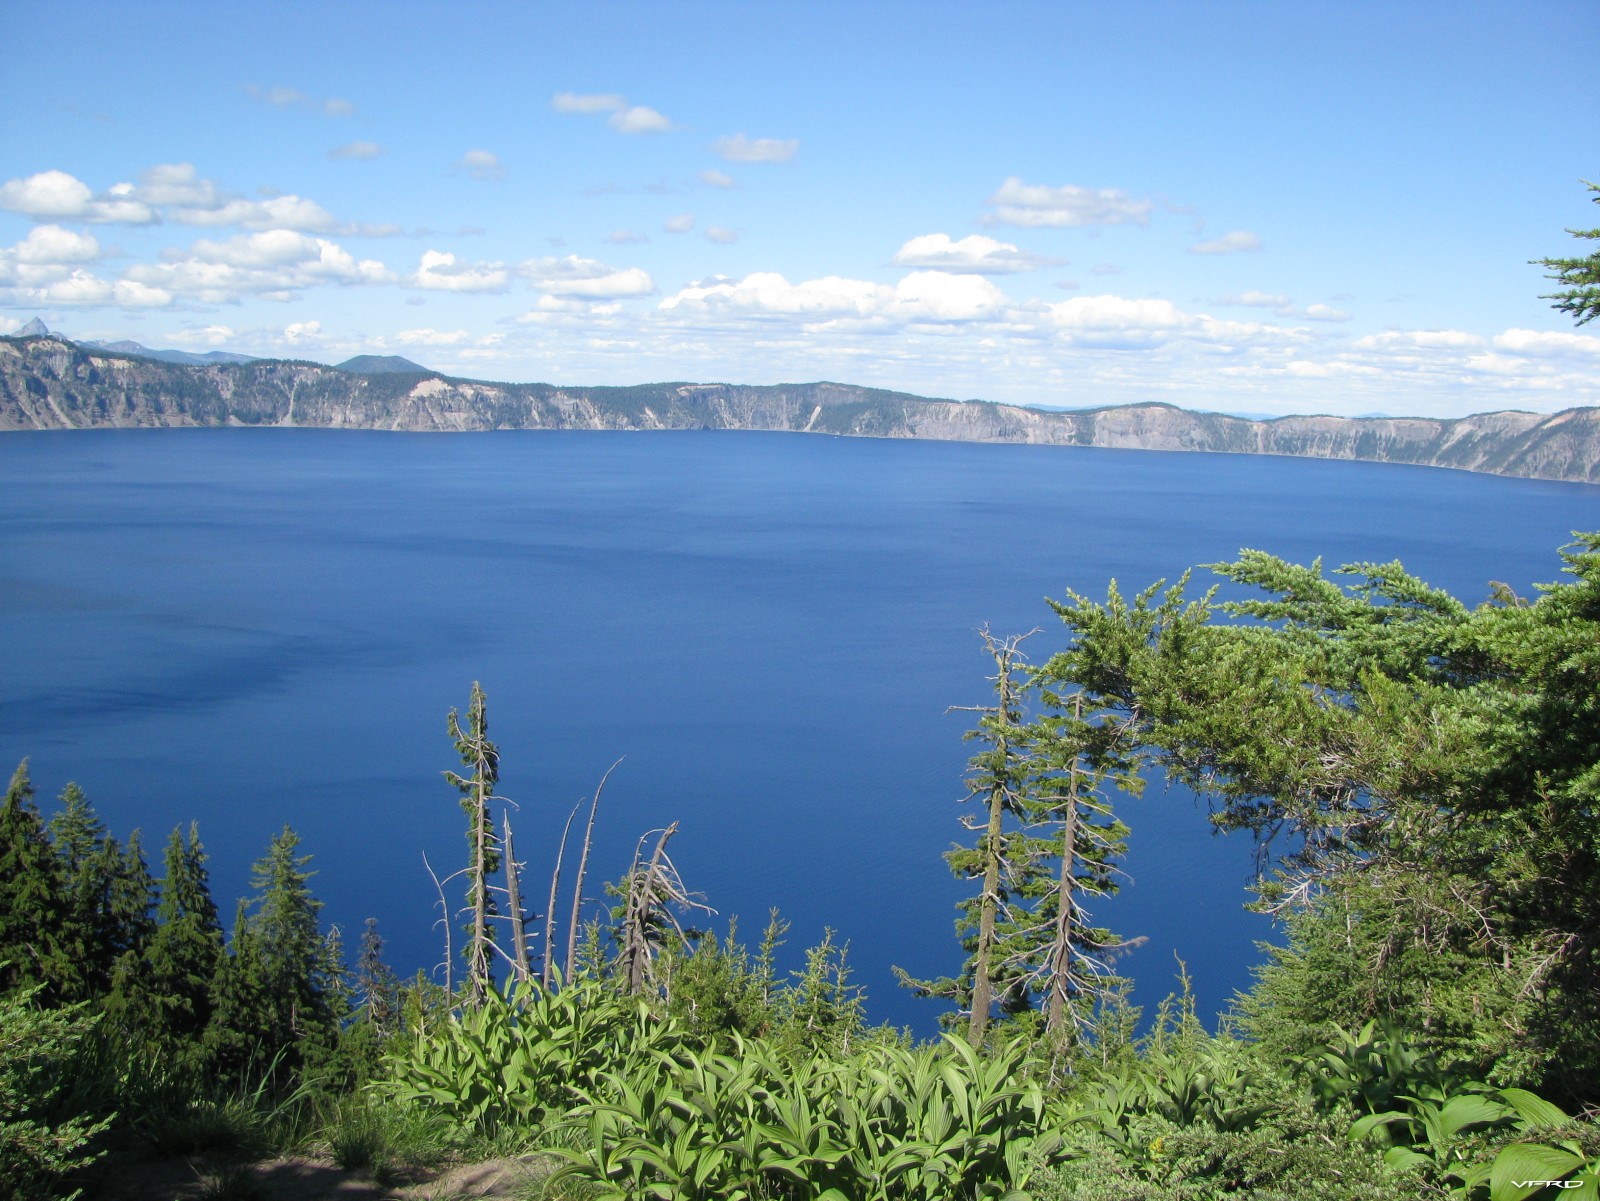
50, 383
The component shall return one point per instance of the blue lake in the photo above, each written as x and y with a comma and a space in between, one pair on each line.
248, 628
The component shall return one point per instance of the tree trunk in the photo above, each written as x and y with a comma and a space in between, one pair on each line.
519, 936
1060, 963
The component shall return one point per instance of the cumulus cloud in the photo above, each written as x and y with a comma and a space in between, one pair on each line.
58, 196
638, 119
579, 277
721, 235
1069, 206
356, 150
625, 118
681, 224
274, 264
1548, 342
440, 271
712, 178
1232, 243
626, 237
50, 246
742, 149
481, 164
974, 254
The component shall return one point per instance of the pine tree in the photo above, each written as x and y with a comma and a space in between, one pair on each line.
34, 902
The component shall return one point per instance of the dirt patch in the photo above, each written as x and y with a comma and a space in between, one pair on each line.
304, 1178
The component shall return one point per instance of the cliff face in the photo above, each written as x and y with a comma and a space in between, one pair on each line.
50, 383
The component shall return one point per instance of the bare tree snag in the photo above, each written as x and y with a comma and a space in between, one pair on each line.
519, 936
583, 867
548, 967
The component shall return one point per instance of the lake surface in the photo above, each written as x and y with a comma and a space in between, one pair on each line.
253, 627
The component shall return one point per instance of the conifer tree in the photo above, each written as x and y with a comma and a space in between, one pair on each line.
33, 894
377, 987
482, 760
277, 1000
1010, 864
185, 950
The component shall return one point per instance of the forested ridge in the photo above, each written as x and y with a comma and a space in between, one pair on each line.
1421, 776
49, 382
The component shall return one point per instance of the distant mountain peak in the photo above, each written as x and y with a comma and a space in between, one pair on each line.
381, 364
34, 329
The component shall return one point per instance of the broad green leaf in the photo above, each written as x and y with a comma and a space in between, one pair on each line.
1526, 1162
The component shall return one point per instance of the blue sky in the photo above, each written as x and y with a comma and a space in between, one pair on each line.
1254, 207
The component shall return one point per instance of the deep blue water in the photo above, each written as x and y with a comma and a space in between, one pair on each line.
257, 627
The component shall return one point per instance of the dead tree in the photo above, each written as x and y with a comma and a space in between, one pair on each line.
650, 893
482, 760
583, 867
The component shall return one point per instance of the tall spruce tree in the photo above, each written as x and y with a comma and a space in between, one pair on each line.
278, 994
34, 899
185, 949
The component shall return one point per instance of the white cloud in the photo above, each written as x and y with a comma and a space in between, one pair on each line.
1105, 269
920, 296
939, 296
721, 235
625, 118
1427, 339
356, 150
55, 195
974, 254
1548, 342
681, 224
1068, 206
1231, 243
432, 337
51, 245
300, 332
1323, 312
598, 102
277, 212
274, 264
580, 277
481, 164
441, 271
625, 237
180, 184
1116, 313
713, 178
742, 149
639, 119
